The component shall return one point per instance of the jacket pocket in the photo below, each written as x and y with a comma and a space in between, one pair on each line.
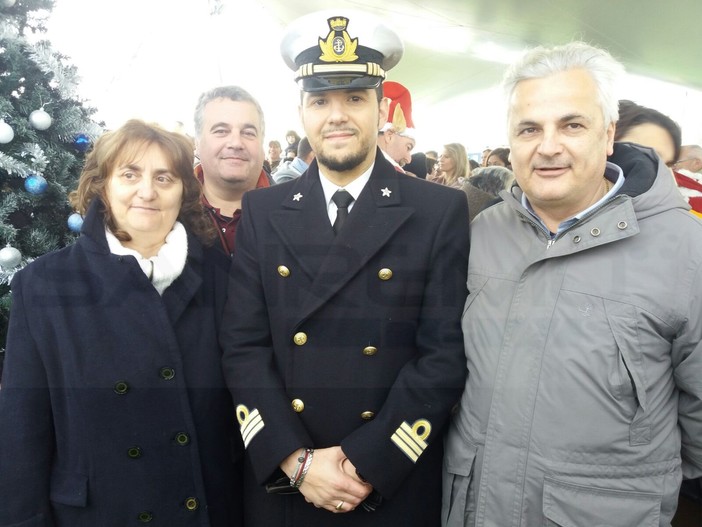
630, 372
458, 495
475, 284
69, 488
571, 505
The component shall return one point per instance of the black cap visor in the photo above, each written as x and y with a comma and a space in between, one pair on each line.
339, 81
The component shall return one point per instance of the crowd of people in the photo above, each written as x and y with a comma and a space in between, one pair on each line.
362, 335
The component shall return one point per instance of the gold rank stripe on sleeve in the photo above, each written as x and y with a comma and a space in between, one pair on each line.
412, 439
251, 423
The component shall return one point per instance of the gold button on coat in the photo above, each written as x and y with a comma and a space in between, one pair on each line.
191, 504
300, 338
367, 416
370, 350
298, 405
385, 274
283, 271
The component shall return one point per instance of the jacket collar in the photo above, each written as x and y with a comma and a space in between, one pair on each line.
648, 181
93, 228
639, 165
179, 294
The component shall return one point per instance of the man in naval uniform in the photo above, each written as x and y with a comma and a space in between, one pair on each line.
342, 343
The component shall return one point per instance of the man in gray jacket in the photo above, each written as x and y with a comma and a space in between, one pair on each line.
297, 166
583, 403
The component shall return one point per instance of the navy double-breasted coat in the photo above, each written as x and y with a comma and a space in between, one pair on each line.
351, 340
113, 407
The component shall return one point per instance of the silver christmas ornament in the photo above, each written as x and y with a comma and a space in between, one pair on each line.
7, 134
10, 257
39, 119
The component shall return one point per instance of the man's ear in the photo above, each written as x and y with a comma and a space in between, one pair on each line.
383, 108
610, 138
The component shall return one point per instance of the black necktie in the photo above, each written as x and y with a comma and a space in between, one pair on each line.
342, 199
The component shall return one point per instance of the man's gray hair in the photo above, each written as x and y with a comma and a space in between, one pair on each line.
234, 93
541, 62
694, 151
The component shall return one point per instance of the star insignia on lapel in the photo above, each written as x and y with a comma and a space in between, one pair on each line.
386, 192
297, 197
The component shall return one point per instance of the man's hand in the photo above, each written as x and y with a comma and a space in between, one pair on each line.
331, 481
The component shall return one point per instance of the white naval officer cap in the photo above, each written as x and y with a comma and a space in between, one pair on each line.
340, 49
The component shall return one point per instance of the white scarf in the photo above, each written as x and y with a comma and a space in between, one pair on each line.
167, 265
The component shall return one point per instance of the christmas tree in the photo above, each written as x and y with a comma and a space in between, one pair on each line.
45, 130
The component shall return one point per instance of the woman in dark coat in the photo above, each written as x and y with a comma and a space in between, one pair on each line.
113, 409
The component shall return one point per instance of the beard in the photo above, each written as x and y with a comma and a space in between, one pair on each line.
343, 164
345, 161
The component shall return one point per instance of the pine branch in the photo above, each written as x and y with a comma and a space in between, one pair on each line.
14, 166
73, 122
8, 30
39, 159
64, 79
8, 205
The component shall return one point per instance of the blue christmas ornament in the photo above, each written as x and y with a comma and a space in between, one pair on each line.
35, 184
81, 143
75, 222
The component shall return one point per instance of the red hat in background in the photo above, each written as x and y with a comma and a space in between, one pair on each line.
691, 189
400, 112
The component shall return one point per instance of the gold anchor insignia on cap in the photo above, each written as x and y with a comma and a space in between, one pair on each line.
251, 423
412, 439
338, 46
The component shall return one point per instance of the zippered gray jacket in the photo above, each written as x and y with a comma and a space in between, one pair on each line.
583, 403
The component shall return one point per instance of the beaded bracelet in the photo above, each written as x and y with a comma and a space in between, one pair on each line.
303, 465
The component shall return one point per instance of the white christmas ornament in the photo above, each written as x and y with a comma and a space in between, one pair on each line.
10, 257
7, 134
7, 3
39, 119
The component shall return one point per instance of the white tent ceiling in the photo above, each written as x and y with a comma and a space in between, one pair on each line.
152, 58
